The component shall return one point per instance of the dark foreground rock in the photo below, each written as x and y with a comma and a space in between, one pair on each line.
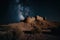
31, 37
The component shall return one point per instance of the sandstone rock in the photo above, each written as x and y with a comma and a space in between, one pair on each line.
39, 18
32, 24
30, 20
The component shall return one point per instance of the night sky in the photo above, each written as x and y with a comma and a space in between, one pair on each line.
46, 8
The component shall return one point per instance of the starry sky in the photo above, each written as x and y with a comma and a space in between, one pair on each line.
45, 8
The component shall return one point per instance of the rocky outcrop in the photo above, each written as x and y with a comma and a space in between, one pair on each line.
30, 24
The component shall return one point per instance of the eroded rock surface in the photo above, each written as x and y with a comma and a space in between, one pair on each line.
29, 29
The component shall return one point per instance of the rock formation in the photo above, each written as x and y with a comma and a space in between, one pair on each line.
30, 24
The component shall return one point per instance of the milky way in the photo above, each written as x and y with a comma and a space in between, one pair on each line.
10, 11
